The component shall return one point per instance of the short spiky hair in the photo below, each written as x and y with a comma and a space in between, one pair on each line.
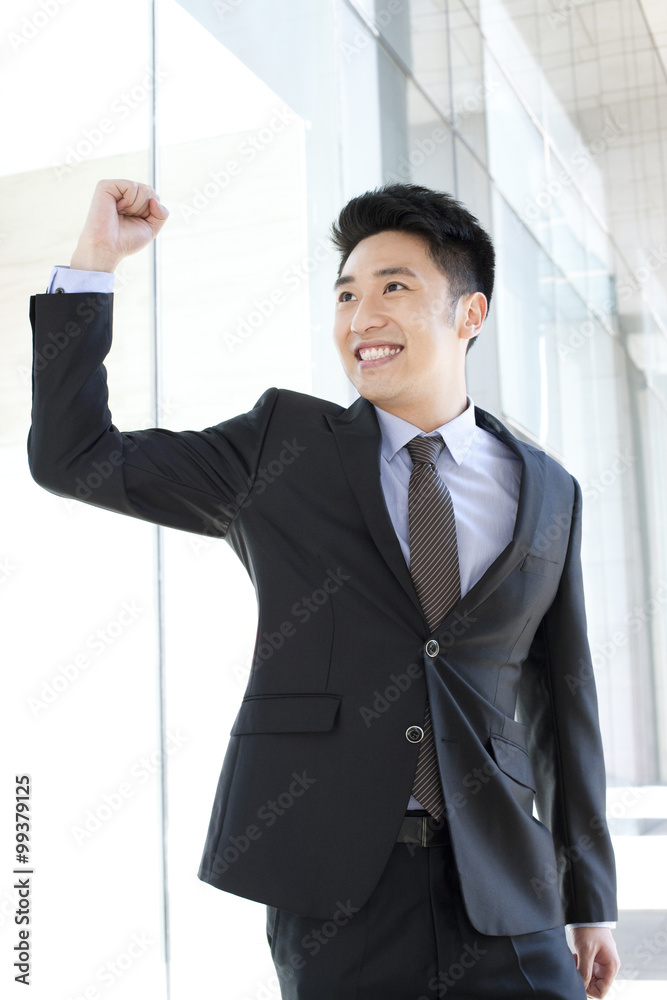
456, 242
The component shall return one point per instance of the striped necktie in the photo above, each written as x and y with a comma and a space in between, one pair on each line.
434, 567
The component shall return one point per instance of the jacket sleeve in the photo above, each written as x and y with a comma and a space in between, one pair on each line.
194, 480
558, 704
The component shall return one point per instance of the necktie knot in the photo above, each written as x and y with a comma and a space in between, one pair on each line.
425, 450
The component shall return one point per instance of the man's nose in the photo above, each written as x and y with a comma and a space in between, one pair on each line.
368, 316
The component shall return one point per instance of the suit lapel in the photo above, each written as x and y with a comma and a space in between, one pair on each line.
531, 499
359, 441
358, 438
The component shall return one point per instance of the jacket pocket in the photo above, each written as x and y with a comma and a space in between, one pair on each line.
513, 760
286, 713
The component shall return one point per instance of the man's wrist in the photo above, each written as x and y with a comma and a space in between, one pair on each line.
93, 260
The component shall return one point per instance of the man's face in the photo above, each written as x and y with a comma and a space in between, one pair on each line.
392, 323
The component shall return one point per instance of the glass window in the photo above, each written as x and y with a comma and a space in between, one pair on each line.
510, 28
470, 88
524, 317
79, 612
517, 160
420, 150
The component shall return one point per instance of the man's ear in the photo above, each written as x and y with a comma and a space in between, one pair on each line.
472, 310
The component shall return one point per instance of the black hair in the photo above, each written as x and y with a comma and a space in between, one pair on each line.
456, 242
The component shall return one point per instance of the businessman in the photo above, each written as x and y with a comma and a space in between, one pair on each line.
422, 677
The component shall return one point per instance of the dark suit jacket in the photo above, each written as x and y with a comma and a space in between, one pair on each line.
318, 771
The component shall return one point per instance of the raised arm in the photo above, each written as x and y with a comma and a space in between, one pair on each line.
194, 480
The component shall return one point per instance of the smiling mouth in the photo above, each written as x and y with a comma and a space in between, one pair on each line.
377, 353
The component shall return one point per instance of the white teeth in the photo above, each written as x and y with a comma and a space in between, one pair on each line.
372, 353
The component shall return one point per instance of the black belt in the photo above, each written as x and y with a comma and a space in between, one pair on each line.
423, 830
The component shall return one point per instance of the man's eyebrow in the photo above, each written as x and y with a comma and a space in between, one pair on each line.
384, 272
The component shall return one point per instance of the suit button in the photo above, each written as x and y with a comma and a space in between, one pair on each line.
414, 734
432, 647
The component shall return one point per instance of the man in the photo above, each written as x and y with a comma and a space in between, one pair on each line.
423, 567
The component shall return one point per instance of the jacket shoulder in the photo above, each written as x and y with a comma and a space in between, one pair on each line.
557, 472
301, 404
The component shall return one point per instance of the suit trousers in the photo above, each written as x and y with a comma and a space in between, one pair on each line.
412, 940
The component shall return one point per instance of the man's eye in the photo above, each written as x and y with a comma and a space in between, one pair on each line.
342, 298
394, 284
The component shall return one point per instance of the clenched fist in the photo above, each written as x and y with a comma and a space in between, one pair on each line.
596, 957
124, 217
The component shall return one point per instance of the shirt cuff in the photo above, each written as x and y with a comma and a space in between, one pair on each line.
599, 923
64, 279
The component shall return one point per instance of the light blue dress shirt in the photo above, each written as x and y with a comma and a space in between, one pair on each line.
66, 280
482, 474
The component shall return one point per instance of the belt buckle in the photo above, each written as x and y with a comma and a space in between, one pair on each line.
424, 830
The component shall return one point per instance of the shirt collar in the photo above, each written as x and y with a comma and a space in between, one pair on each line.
457, 434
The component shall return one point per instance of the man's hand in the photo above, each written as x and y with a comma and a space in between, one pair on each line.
597, 958
124, 217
